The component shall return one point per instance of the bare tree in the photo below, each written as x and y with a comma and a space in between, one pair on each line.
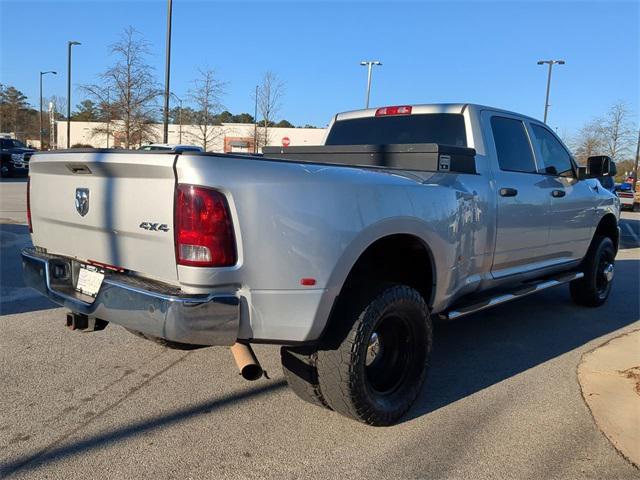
206, 96
617, 134
270, 93
588, 142
129, 89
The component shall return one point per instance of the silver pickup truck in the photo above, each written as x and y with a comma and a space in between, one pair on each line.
343, 253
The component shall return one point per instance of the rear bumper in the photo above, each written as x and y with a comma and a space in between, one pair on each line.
150, 307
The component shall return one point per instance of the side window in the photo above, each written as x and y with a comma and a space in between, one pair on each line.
512, 145
555, 159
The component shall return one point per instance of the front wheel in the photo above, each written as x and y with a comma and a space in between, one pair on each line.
373, 361
593, 289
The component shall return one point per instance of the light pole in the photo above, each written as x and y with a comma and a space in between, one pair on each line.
369, 64
167, 71
108, 114
546, 102
255, 123
635, 167
41, 126
179, 115
69, 45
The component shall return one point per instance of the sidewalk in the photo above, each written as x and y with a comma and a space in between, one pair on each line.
610, 380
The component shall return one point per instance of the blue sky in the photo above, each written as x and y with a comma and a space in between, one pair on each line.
473, 51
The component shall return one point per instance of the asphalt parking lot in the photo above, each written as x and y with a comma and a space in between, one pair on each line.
502, 399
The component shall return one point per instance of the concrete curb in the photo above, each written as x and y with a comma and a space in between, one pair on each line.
609, 378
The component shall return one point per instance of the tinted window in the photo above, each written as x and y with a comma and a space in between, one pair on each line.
8, 143
555, 159
187, 149
512, 145
445, 128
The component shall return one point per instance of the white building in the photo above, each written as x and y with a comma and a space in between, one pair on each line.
228, 137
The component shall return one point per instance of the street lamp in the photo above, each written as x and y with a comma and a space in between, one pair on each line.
550, 63
369, 64
69, 45
41, 127
255, 123
179, 115
166, 74
108, 114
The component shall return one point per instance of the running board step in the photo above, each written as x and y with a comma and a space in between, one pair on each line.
528, 289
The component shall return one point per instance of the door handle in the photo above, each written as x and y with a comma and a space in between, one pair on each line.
558, 193
508, 192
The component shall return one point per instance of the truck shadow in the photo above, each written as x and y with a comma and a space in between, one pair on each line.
16, 297
478, 351
55, 453
629, 233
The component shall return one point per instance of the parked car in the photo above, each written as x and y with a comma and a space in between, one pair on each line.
170, 147
14, 157
342, 254
628, 199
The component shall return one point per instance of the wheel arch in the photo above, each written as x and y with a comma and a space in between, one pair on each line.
422, 243
608, 227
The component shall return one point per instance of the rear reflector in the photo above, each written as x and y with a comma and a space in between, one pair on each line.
386, 111
29, 204
204, 232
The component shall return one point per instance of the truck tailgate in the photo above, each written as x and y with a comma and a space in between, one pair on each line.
107, 207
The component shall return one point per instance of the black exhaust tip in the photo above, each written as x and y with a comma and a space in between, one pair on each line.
252, 372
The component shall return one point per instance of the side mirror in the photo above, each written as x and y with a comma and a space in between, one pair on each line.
600, 166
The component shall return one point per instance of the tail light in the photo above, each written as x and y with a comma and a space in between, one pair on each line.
203, 229
29, 204
401, 110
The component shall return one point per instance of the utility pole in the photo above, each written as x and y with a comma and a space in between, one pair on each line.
546, 102
255, 123
69, 45
369, 64
167, 71
108, 114
635, 168
41, 125
179, 115
52, 126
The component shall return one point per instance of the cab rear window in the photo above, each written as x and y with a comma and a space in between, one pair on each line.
443, 128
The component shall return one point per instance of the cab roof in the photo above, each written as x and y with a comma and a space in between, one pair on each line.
425, 108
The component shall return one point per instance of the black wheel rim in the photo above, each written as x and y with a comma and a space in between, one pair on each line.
604, 274
390, 355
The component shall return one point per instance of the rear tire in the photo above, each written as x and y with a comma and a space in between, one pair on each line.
373, 361
593, 289
299, 368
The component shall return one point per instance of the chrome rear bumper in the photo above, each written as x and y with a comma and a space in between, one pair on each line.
147, 307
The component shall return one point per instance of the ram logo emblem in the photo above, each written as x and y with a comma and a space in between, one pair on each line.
82, 201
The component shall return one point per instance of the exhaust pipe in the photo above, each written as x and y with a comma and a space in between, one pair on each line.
246, 361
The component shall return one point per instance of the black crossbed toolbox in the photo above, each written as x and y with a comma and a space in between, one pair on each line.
429, 157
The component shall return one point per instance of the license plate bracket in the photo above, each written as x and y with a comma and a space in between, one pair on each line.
89, 280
